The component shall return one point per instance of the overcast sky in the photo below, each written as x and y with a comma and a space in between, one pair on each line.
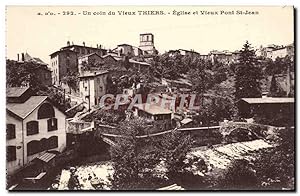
42, 35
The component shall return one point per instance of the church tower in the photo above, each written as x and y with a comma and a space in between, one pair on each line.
147, 43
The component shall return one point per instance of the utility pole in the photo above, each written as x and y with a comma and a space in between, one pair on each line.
64, 96
288, 80
89, 96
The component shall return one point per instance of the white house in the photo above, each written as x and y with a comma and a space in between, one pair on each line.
92, 86
33, 126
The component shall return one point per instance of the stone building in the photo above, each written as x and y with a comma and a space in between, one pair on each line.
273, 51
92, 86
66, 59
90, 61
62, 62
33, 127
147, 43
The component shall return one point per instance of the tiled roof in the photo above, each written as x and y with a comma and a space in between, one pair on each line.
15, 91
28, 58
24, 109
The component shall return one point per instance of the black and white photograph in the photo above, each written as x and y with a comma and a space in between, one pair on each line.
150, 98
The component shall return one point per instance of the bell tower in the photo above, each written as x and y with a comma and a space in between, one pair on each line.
147, 43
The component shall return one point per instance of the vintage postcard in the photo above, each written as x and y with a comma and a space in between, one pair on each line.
162, 98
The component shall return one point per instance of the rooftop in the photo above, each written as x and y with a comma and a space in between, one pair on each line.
124, 45
146, 34
81, 46
15, 91
271, 100
87, 55
92, 74
152, 109
28, 58
22, 110
138, 62
61, 50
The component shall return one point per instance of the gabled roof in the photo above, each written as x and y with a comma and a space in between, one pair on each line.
28, 58
109, 56
22, 110
15, 91
270, 100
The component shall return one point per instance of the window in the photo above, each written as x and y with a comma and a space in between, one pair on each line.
33, 147
46, 111
52, 124
53, 142
10, 131
11, 154
32, 127
43, 144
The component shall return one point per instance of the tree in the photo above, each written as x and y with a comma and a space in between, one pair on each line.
276, 167
248, 74
56, 96
239, 176
201, 77
175, 147
25, 74
133, 158
137, 160
72, 80
163, 67
275, 89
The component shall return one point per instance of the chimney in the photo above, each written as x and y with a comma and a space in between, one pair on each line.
68, 43
83, 43
23, 57
97, 46
18, 57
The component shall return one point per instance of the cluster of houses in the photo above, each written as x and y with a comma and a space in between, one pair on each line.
273, 51
36, 129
